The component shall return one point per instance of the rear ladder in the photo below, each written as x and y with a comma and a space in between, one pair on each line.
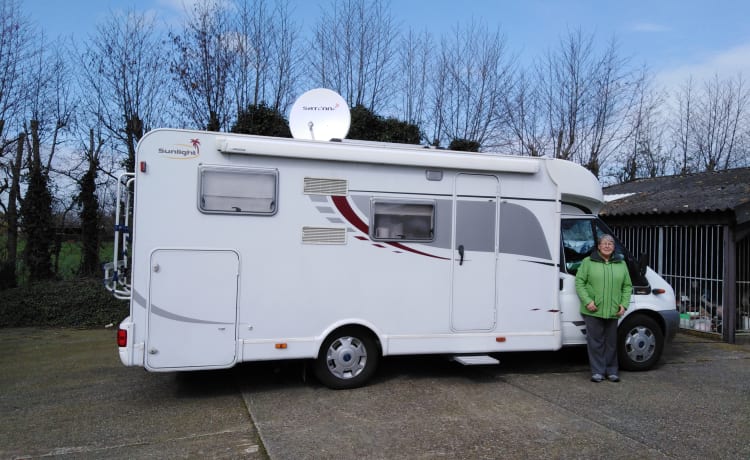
116, 273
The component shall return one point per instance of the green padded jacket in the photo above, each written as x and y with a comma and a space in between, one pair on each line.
607, 283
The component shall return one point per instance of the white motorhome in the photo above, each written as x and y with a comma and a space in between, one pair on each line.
248, 248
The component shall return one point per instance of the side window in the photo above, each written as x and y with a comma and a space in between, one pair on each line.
637, 276
225, 190
402, 220
578, 241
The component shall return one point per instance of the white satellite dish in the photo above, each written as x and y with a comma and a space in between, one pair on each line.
320, 114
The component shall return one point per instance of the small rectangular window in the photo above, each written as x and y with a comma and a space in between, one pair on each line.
228, 190
402, 221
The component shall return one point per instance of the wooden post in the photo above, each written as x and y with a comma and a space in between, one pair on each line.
729, 307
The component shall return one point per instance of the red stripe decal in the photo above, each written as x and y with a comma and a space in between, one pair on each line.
343, 206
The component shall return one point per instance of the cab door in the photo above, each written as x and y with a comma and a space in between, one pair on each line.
577, 243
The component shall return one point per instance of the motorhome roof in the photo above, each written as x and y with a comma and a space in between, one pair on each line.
375, 153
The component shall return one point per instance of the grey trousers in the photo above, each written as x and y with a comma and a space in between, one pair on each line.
601, 338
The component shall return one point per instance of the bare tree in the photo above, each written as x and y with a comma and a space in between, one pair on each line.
478, 74
718, 123
202, 63
36, 212
88, 201
15, 52
123, 78
49, 109
8, 275
683, 126
50, 102
267, 62
352, 51
610, 102
95, 164
710, 124
254, 32
587, 98
415, 59
562, 77
438, 102
644, 153
522, 110
285, 64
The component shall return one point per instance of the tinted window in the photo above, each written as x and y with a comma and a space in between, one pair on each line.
402, 221
237, 190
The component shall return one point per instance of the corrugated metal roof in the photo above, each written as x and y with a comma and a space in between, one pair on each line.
727, 190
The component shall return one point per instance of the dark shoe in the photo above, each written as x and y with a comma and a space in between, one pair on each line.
597, 378
614, 378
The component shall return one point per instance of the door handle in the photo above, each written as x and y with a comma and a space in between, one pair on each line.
461, 254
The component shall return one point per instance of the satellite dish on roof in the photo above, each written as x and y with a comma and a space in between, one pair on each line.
319, 114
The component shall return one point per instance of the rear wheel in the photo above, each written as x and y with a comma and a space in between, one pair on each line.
347, 359
640, 343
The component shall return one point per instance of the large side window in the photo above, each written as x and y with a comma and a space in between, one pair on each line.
230, 190
578, 241
402, 220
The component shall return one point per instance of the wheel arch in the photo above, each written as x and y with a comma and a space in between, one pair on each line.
648, 312
358, 324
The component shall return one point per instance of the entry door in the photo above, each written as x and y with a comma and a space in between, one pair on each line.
475, 223
192, 309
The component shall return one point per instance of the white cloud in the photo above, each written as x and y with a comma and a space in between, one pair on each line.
724, 64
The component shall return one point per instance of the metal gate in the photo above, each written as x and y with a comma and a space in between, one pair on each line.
691, 259
743, 285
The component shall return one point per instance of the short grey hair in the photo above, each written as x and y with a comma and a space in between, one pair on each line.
606, 237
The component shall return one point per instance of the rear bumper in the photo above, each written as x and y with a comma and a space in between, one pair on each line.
671, 319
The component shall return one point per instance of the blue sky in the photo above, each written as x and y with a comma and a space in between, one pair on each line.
674, 38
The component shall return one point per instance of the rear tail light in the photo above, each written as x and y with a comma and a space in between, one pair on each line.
122, 338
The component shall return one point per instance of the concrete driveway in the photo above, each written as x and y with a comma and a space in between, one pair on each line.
63, 393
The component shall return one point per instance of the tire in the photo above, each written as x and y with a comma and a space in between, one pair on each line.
347, 358
640, 343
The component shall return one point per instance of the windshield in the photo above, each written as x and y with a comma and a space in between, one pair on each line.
579, 238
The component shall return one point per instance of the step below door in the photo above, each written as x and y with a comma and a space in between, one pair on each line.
192, 309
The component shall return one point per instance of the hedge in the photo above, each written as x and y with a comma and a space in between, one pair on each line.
82, 303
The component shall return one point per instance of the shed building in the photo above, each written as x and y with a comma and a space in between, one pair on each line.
694, 230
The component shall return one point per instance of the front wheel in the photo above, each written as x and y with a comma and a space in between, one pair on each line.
347, 359
640, 342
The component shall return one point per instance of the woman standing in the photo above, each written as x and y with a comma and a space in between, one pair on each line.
603, 285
